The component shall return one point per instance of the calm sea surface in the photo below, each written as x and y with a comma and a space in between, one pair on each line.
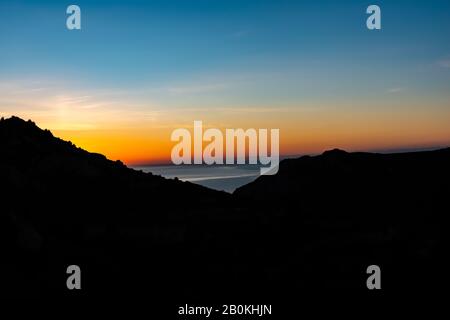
226, 178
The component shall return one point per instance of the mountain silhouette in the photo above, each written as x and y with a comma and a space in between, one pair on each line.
316, 225
346, 211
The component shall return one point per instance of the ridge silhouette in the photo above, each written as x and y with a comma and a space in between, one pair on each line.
316, 225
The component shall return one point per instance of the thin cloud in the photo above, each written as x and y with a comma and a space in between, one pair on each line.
444, 63
59, 108
196, 89
240, 34
396, 90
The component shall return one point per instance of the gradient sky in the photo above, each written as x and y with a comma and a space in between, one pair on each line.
139, 69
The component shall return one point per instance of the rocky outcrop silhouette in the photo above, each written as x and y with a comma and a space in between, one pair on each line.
62, 205
345, 211
316, 225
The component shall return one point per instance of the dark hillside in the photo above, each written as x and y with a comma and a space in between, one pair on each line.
316, 225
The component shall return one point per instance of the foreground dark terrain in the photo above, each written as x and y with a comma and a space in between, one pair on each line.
316, 225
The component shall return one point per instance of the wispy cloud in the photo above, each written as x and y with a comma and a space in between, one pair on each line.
194, 89
396, 90
240, 33
60, 108
445, 63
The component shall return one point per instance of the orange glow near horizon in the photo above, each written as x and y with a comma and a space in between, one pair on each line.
144, 137
132, 148
121, 88
150, 145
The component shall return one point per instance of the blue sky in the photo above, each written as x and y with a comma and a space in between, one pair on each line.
172, 55
130, 42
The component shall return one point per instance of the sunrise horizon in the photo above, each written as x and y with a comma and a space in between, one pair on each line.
251, 65
164, 161
223, 159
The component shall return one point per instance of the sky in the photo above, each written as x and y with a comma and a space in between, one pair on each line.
137, 70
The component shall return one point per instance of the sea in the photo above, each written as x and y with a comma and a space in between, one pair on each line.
224, 178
